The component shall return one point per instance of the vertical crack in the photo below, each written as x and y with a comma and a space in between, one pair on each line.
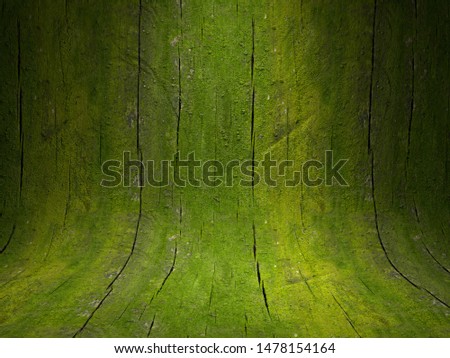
252, 126
179, 86
372, 169
245, 324
252, 59
287, 133
109, 288
66, 210
266, 303
369, 144
151, 326
63, 75
21, 144
19, 106
302, 222
66, 7
254, 240
138, 148
172, 267
411, 104
306, 282
179, 104
55, 125
211, 291
258, 272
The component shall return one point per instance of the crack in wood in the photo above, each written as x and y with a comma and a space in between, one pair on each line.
109, 288
411, 104
369, 144
347, 317
2, 250
383, 247
151, 326
97, 307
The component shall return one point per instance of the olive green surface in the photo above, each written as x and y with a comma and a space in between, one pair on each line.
84, 81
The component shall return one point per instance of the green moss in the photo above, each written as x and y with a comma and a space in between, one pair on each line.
75, 264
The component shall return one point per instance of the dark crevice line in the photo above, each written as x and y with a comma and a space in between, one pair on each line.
347, 317
110, 286
12, 279
139, 151
138, 85
287, 133
246, 324
21, 143
50, 245
151, 326
411, 104
55, 125
143, 311
63, 75
66, 210
60, 285
254, 240
18, 54
371, 77
123, 312
434, 258
252, 125
252, 133
371, 154
211, 291
100, 137
215, 122
384, 248
2, 250
252, 59
180, 217
179, 104
266, 303
301, 208
92, 313
416, 212
180, 91
66, 7
258, 273
366, 286
306, 282
20, 106
297, 241
174, 261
